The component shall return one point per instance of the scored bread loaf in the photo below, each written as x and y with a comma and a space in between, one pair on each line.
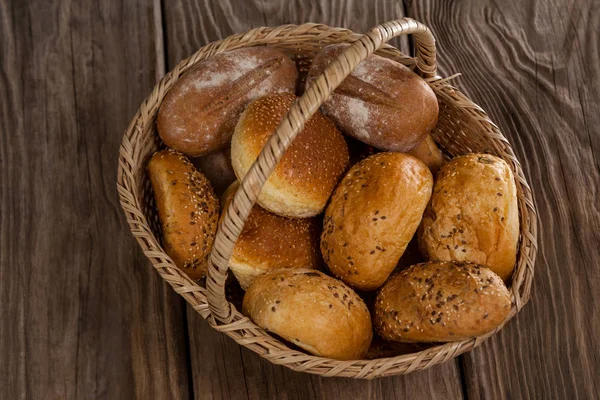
441, 302
199, 113
372, 216
311, 310
382, 102
306, 175
187, 208
269, 242
473, 214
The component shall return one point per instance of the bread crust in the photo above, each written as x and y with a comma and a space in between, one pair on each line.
382, 102
269, 242
199, 113
188, 210
441, 302
303, 180
372, 216
473, 214
312, 310
428, 152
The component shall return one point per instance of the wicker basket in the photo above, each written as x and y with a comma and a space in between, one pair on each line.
463, 127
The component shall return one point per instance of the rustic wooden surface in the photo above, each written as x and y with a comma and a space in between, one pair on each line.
83, 315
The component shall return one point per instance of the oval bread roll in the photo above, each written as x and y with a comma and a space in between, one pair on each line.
303, 180
473, 214
373, 214
430, 154
199, 113
312, 310
217, 168
441, 302
269, 242
382, 102
188, 210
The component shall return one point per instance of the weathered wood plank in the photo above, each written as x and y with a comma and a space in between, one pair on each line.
83, 315
533, 66
221, 368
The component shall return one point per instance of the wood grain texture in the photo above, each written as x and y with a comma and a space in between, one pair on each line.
221, 368
83, 316
533, 67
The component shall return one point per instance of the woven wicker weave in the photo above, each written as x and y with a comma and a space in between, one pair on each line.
463, 127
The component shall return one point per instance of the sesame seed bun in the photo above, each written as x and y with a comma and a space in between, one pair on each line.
441, 302
372, 216
188, 210
269, 242
313, 311
473, 214
303, 180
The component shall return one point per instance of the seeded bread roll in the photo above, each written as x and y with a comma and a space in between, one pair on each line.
199, 113
372, 216
269, 242
217, 168
188, 210
473, 215
430, 154
312, 310
303, 180
382, 102
441, 302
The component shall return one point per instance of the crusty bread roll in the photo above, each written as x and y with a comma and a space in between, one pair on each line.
441, 302
199, 113
372, 215
473, 214
303, 180
269, 242
217, 168
188, 210
382, 102
313, 311
428, 152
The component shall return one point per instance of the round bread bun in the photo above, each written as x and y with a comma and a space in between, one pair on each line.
303, 180
473, 214
188, 210
311, 310
382, 102
269, 242
217, 168
372, 216
441, 302
199, 113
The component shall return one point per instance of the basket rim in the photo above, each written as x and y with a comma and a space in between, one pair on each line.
241, 328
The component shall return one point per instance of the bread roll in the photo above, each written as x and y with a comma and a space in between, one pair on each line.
269, 242
372, 215
188, 210
217, 168
441, 302
382, 102
473, 214
430, 154
199, 113
313, 311
303, 180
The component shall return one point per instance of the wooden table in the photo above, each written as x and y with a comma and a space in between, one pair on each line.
82, 313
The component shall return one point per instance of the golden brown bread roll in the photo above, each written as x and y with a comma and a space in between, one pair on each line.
188, 210
303, 180
217, 168
382, 102
269, 242
372, 215
473, 214
441, 302
312, 310
428, 152
199, 113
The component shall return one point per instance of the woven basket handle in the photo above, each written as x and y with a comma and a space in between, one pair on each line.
293, 123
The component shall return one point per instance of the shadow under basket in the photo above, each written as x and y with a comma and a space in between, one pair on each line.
463, 127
